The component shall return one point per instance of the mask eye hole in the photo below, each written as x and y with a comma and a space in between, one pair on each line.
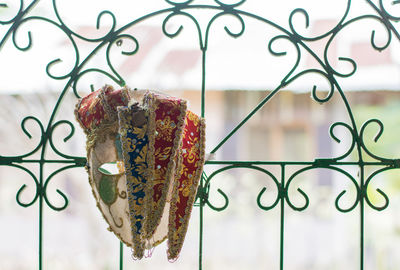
112, 168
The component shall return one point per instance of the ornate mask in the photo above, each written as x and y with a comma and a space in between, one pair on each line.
145, 154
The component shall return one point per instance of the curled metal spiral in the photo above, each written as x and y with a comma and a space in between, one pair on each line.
387, 13
352, 62
376, 138
111, 37
18, 11
207, 184
180, 28
289, 78
45, 196
96, 71
382, 193
358, 195
39, 190
230, 12
306, 198
179, 4
291, 26
279, 196
229, 6
29, 135
304, 12
22, 188
66, 138
314, 90
39, 123
101, 15
115, 41
29, 34
296, 40
303, 194
227, 9
334, 137
226, 199
283, 53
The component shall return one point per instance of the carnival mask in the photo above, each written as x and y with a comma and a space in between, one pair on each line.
145, 155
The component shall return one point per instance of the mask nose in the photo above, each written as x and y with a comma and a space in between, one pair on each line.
112, 168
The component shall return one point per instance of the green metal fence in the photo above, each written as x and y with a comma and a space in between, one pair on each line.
379, 12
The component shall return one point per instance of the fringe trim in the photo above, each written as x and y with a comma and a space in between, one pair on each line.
76, 111
109, 114
156, 214
99, 134
138, 242
175, 245
149, 104
126, 94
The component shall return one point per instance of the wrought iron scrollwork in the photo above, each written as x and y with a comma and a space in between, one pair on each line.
115, 37
226, 199
37, 185
382, 193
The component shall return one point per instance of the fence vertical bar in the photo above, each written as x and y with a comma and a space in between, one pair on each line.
282, 228
362, 217
201, 235
203, 94
203, 82
121, 256
40, 221
41, 194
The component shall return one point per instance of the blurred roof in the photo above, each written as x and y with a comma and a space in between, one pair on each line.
231, 64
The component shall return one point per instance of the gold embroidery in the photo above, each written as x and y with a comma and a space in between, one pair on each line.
189, 188
165, 127
163, 153
159, 179
156, 209
135, 151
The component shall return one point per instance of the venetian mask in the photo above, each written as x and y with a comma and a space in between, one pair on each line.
145, 155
